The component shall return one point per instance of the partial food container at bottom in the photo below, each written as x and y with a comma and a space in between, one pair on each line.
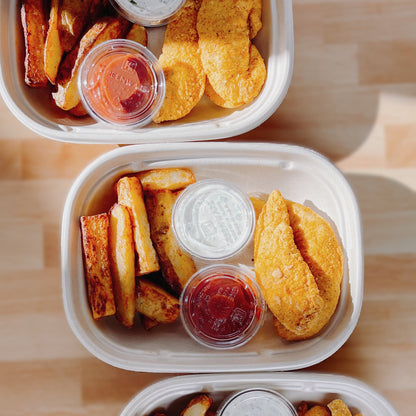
301, 176
291, 390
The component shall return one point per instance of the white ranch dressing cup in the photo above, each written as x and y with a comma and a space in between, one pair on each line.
257, 402
213, 219
149, 12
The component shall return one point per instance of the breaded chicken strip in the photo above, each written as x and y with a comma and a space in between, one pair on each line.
285, 279
319, 247
182, 66
234, 67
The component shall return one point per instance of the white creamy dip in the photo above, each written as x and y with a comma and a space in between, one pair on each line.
149, 12
213, 219
257, 402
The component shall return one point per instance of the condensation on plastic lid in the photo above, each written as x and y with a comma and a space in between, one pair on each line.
257, 402
149, 12
213, 219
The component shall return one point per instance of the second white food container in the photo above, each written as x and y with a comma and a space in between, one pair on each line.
300, 174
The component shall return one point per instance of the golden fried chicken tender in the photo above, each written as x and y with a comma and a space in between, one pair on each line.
319, 248
235, 69
182, 66
285, 279
254, 18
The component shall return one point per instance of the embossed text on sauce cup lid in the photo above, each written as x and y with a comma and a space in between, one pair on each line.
121, 83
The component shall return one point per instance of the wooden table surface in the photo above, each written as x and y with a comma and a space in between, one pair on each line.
352, 98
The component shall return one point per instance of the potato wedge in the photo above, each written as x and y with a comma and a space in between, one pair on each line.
73, 15
53, 47
96, 11
33, 18
130, 194
198, 406
122, 263
66, 95
177, 267
138, 34
165, 178
318, 410
155, 303
94, 231
302, 408
78, 111
148, 323
338, 408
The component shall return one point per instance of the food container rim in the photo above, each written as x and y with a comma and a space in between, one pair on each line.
298, 381
220, 148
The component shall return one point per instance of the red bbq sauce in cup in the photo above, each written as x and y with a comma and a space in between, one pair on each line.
222, 307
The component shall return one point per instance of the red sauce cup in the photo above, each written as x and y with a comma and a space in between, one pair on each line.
222, 307
121, 83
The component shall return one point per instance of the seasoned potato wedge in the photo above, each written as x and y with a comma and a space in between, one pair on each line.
198, 406
177, 267
66, 96
338, 408
78, 111
138, 34
73, 15
53, 47
94, 230
130, 194
148, 323
318, 410
122, 263
165, 178
33, 18
155, 303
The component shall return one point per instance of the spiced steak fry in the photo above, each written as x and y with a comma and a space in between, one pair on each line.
94, 230
33, 18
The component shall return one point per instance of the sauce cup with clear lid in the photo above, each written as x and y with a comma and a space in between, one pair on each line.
213, 219
257, 402
149, 12
222, 307
121, 83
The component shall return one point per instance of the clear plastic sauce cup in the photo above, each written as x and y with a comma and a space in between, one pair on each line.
121, 83
257, 402
213, 219
222, 307
149, 12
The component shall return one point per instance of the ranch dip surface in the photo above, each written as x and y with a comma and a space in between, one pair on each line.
257, 402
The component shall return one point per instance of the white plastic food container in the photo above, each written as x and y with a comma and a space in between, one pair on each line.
300, 174
174, 393
207, 121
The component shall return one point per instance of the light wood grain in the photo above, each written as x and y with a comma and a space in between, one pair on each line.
352, 98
